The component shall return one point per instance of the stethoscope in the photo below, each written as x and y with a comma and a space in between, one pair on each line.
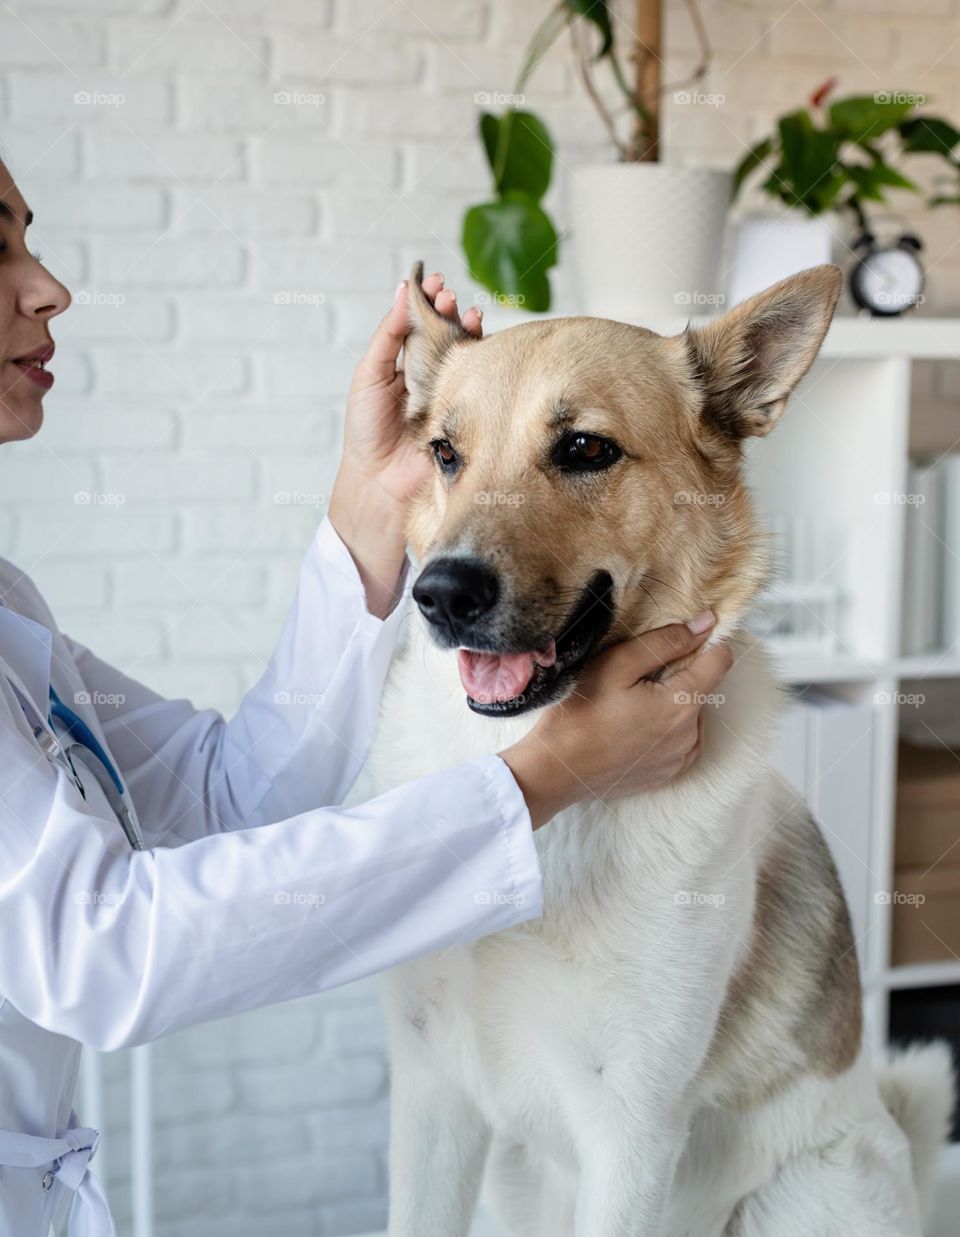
85, 750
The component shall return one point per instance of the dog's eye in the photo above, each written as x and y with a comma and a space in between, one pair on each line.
445, 455
576, 452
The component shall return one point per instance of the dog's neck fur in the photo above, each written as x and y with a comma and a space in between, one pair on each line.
738, 731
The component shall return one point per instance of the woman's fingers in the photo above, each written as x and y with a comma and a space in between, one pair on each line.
379, 363
643, 656
445, 303
472, 322
704, 674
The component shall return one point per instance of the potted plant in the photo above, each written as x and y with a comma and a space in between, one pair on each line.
646, 236
824, 164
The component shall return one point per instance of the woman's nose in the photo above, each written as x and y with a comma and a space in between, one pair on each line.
44, 297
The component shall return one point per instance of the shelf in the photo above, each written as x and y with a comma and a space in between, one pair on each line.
847, 668
923, 975
943, 665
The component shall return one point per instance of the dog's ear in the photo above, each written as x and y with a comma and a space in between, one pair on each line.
431, 338
749, 360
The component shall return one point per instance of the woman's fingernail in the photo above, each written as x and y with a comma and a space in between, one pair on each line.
399, 288
702, 622
479, 313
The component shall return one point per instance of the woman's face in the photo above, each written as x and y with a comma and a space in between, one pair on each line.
29, 298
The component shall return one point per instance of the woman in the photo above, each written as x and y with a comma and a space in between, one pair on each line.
161, 866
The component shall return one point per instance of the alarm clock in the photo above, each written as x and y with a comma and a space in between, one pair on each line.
887, 279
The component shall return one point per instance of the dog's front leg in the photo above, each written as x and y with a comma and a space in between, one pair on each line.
438, 1145
626, 1172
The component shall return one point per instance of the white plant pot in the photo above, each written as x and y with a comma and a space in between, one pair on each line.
768, 248
647, 238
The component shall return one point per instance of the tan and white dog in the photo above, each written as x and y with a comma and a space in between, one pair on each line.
675, 1048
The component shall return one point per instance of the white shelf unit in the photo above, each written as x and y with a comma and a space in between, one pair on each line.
840, 455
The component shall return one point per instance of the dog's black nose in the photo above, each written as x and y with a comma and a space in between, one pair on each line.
453, 592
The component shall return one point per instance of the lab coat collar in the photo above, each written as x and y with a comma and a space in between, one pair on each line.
26, 647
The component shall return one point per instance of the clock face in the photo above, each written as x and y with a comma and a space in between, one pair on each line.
889, 281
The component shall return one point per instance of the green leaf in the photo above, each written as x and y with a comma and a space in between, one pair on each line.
810, 174
751, 160
510, 246
863, 117
544, 37
866, 182
929, 134
519, 151
597, 12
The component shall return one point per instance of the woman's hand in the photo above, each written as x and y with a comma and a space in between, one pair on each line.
620, 733
382, 468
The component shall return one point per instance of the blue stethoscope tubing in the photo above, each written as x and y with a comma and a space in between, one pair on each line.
86, 750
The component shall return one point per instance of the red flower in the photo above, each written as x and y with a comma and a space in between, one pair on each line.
818, 96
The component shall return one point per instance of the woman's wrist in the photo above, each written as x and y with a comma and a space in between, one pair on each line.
547, 786
371, 525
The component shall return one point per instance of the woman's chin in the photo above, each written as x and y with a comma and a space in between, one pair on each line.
21, 420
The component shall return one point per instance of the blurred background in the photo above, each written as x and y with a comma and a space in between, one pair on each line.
233, 189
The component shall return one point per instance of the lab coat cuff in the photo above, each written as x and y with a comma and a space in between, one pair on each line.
523, 864
334, 553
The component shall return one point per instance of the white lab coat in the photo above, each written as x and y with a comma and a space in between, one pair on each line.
250, 890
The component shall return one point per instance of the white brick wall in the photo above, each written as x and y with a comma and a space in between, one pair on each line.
197, 197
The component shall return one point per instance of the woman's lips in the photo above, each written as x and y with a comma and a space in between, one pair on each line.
42, 377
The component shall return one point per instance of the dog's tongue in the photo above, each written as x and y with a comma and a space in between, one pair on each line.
491, 677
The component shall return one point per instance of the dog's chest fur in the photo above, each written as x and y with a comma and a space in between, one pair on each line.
648, 905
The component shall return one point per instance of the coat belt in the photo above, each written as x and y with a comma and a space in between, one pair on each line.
67, 1161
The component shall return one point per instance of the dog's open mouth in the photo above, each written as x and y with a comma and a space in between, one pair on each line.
512, 682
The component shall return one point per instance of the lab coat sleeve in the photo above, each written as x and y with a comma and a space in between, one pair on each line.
299, 736
115, 947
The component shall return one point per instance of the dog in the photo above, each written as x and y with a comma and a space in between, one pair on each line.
676, 1048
